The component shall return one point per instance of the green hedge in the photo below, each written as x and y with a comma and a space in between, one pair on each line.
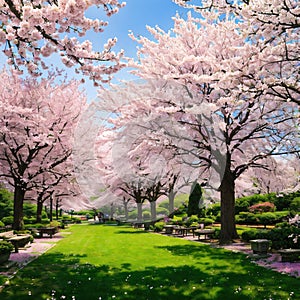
280, 237
267, 218
8, 220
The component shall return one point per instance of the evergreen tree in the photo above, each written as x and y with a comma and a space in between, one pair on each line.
195, 200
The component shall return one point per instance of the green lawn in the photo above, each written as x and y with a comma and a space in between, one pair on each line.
115, 262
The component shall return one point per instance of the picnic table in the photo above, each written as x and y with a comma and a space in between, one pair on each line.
207, 233
181, 230
47, 230
169, 229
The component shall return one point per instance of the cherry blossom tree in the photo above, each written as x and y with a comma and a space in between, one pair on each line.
37, 122
278, 175
274, 27
33, 30
227, 120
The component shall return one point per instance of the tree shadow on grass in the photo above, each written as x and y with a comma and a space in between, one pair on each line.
131, 232
215, 275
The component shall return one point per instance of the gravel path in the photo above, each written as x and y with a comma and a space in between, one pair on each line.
26, 255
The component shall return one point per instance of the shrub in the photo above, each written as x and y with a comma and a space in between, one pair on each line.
241, 204
8, 220
162, 211
262, 207
76, 220
132, 215
192, 219
5, 247
283, 202
246, 218
216, 234
283, 238
146, 215
31, 220
54, 224
158, 226
214, 209
176, 220
2, 224
253, 234
206, 221
295, 204
6, 202
283, 224
164, 204
267, 218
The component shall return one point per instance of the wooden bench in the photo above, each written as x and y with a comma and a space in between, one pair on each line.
47, 230
289, 255
206, 232
184, 231
169, 229
19, 241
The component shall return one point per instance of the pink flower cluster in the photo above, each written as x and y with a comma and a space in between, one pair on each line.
32, 29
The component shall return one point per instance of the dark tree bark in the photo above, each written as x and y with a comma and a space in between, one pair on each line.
228, 229
51, 209
19, 194
39, 210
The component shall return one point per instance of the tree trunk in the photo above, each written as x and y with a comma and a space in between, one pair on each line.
171, 197
140, 212
39, 211
19, 194
56, 208
111, 211
153, 210
51, 209
126, 208
227, 189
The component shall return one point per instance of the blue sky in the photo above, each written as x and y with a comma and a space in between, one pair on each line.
135, 16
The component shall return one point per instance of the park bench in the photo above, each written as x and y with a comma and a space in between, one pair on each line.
207, 233
184, 231
289, 255
47, 230
18, 240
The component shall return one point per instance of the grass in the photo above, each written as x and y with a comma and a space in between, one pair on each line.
116, 262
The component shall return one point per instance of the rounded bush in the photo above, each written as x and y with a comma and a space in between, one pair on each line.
295, 204
267, 218
262, 207
158, 226
206, 221
284, 238
8, 220
246, 218
5, 247
146, 215
192, 219
253, 234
